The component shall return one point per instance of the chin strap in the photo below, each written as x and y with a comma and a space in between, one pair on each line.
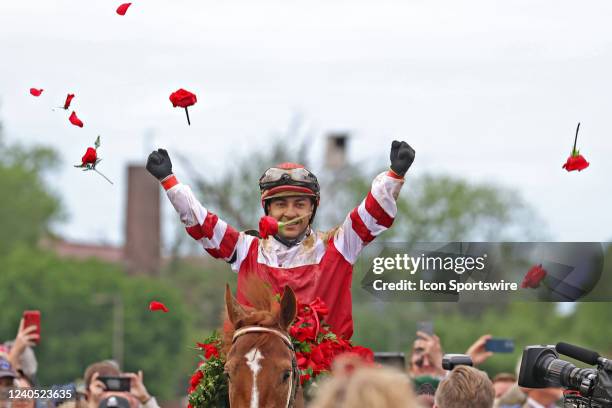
293, 241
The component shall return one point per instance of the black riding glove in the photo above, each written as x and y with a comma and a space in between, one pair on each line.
402, 156
159, 164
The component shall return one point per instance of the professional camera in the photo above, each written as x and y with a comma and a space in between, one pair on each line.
542, 368
450, 361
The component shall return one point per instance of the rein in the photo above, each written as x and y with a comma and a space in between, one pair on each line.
295, 373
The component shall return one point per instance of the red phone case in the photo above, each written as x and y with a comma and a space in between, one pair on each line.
32, 318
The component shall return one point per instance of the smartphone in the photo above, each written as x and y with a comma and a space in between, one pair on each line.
425, 327
500, 345
32, 318
115, 383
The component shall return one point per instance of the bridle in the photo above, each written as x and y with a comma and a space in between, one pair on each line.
295, 372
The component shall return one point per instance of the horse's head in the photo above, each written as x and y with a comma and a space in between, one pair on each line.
261, 364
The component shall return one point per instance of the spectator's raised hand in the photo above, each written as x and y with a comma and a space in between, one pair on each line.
96, 390
430, 344
25, 338
477, 350
137, 387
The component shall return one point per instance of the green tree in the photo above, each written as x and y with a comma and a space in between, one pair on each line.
29, 206
77, 318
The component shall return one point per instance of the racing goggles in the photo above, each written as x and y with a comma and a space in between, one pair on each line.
274, 177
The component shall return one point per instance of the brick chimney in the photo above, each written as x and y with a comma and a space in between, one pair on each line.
142, 224
335, 150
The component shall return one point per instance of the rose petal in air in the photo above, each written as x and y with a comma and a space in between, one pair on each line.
75, 120
69, 98
122, 9
155, 306
35, 91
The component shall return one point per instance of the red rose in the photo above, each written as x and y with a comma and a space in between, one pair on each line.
208, 349
75, 120
268, 226
533, 277
90, 156
182, 98
195, 379
36, 92
304, 378
69, 98
363, 352
303, 334
319, 307
576, 162
302, 360
122, 9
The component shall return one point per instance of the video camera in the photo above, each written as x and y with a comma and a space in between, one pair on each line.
542, 368
450, 361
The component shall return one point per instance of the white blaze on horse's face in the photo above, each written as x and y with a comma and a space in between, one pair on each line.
252, 360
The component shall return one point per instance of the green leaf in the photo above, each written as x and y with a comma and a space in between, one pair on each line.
97, 143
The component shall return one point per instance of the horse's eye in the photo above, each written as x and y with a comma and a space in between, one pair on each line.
286, 375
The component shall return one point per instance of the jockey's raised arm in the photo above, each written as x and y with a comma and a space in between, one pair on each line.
374, 215
216, 236
377, 211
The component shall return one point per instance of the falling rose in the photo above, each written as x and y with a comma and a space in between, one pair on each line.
575, 161
90, 159
183, 99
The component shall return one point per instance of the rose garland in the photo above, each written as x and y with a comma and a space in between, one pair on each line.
315, 344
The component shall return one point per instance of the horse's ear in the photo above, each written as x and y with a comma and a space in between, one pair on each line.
234, 309
288, 309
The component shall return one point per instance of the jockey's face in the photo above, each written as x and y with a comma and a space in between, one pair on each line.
288, 208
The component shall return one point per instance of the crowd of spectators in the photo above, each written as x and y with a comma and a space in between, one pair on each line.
426, 384
18, 368
353, 383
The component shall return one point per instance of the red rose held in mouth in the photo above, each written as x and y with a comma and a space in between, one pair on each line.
90, 156
183, 99
534, 276
36, 92
575, 161
268, 226
75, 120
122, 9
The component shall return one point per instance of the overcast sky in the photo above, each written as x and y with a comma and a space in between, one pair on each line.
485, 90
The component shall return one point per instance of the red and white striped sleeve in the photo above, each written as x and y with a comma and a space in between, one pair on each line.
374, 215
216, 236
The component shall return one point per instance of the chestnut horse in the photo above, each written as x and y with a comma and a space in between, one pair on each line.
261, 364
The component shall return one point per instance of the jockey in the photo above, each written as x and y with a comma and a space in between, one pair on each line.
314, 264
